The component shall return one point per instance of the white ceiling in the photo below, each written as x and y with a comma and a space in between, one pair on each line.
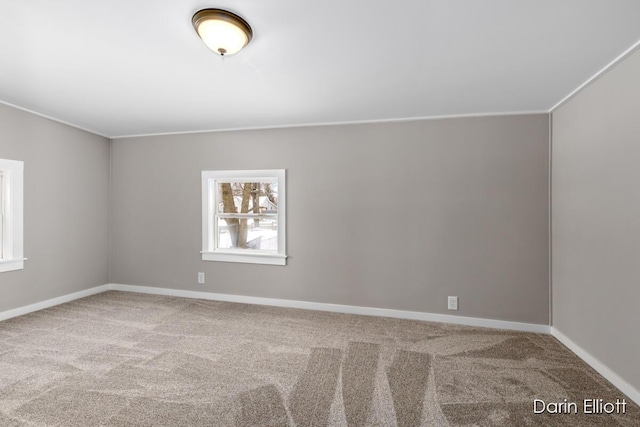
137, 67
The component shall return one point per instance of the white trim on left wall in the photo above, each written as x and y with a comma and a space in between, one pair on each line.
20, 311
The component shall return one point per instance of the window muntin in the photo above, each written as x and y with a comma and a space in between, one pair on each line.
243, 216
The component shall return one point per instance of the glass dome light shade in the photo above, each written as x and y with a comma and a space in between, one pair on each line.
223, 32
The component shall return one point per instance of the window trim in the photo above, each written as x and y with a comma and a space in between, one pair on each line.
209, 231
12, 203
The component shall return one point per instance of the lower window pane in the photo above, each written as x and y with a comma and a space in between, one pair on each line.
250, 233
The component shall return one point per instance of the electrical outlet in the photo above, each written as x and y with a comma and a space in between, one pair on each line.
200, 277
452, 303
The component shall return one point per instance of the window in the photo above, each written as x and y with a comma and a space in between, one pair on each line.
243, 216
11, 183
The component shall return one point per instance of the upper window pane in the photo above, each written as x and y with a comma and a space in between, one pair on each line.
247, 197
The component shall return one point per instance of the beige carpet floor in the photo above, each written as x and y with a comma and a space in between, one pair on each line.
125, 359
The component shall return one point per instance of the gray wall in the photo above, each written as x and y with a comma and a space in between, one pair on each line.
66, 206
395, 215
596, 219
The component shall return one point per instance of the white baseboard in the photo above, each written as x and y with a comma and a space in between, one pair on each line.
52, 302
338, 308
601, 368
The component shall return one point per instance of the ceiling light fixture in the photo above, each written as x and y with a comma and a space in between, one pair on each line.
223, 32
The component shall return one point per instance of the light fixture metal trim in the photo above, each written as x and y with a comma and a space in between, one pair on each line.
222, 17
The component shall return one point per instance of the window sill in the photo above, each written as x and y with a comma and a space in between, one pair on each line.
247, 258
12, 264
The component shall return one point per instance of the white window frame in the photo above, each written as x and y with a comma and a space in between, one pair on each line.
11, 221
210, 251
